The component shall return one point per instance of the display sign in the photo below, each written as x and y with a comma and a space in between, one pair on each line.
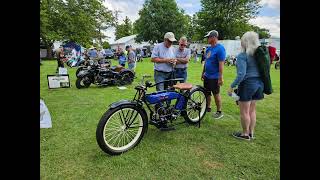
58, 81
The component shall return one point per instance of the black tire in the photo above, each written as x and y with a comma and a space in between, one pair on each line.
190, 106
78, 70
81, 84
107, 119
127, 77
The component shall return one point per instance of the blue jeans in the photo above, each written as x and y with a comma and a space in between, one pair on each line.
132, 66
161, 76
181, 73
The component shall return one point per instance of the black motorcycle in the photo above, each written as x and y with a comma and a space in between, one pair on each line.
102, 76
89, 62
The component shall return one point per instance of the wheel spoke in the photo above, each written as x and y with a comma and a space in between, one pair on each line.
128, 120
133, 119
120, 118
135, 126
130, 135
113, 138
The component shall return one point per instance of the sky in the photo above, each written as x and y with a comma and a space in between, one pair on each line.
268, 17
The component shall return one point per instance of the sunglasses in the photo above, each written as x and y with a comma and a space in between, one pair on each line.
183, 45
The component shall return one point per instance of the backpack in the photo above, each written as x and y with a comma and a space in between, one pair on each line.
262, 57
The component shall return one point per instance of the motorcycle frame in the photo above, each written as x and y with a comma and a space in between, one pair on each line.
140, 96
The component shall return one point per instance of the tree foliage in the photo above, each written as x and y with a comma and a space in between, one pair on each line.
124, 29
106, 45
158, 17
229, 17
79, 21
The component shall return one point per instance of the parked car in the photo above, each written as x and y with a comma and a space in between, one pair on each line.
109, 54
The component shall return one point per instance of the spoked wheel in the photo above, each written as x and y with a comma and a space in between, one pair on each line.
83, 82
197, 101
121, 129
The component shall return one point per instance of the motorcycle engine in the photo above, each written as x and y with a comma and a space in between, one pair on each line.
164, 113
105, 77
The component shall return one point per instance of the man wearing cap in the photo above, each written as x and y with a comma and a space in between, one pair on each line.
212, 74
182, 55
163, 57
131, 58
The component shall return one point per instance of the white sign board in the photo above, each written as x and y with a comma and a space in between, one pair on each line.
58, 81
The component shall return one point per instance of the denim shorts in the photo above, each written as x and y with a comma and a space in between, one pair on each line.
251, 89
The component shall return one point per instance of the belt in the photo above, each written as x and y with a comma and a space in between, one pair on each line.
180, 68
163, 71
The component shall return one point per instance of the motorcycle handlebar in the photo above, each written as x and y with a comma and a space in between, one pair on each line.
169, 80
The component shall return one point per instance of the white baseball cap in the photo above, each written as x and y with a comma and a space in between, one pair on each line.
170, 36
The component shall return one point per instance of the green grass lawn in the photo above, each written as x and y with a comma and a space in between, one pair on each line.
69, 150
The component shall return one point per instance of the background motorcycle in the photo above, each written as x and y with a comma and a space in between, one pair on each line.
95, 74
89, 62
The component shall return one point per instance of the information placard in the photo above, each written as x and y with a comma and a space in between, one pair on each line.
58, 81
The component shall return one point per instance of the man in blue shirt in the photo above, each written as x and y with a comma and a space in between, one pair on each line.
212, 74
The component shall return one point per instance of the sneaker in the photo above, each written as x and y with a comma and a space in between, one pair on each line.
208, 109
240, 136
217, 115
251, 136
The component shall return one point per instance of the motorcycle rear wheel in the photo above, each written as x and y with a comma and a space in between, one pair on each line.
197, 97
126, 78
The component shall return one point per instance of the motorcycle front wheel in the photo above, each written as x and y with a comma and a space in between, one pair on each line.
78, 70
121, 129
83, 82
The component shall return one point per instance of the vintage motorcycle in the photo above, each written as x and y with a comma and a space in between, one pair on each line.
123, 125
90, 62
103, 76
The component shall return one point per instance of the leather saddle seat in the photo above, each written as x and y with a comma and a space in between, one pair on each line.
117, 68
183, 86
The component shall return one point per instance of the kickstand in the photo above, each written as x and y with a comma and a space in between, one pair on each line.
199, 118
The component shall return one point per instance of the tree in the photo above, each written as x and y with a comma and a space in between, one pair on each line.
106, 45
158, 17
263, 33
229, 17
124, 29
79, 21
